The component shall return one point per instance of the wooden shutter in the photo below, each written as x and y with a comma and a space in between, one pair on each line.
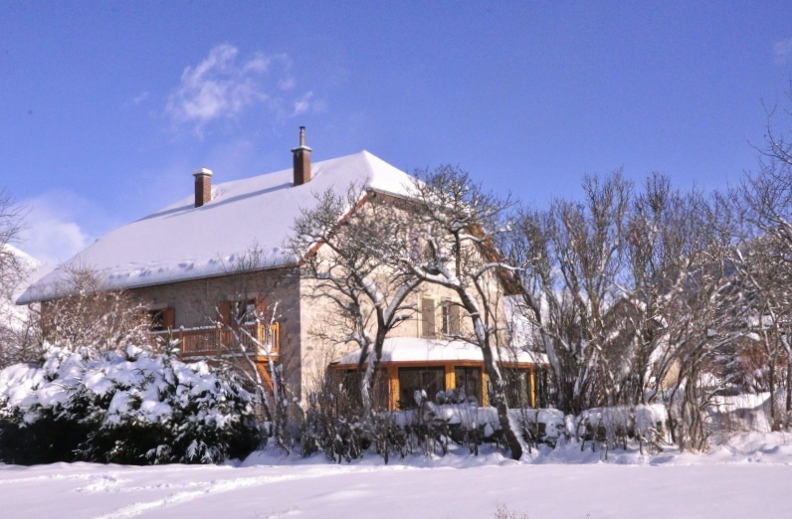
169, 318
453, 319
224, 311
428, 317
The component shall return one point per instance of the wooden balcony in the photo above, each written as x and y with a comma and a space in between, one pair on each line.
212, 341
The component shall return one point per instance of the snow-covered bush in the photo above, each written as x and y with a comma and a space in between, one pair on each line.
334, 425
613, 427
131, 408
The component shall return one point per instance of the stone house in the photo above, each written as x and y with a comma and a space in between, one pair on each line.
219, 255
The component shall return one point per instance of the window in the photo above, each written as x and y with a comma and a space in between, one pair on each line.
246, 311
241, 311
450, 318
411, 380
428, 317
468, 379
162, 319
349, 382
518, 387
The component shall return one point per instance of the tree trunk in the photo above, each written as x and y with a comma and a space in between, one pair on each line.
498, 401
773, 418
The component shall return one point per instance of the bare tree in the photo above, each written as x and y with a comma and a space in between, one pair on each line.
343, 242
569, 258
17, 333
10, 225
633, 296
765, 199
767, 279
92, 317
452, 245
247, 330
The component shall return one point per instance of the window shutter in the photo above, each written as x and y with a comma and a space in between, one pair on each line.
453, 319
169, 318
428, 317
224, 309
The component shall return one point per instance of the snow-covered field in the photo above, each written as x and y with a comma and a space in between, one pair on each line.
748, 478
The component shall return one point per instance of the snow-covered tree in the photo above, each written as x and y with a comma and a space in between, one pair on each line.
94, 318
453, 225
18, 331
238, 349
343, 243
569, 258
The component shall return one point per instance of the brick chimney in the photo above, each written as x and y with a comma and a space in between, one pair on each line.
302, 161
203, 186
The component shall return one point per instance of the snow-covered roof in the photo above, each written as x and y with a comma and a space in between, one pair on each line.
412, 349
182, 242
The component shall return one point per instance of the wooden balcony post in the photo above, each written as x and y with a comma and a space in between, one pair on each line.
533, 386
393, 388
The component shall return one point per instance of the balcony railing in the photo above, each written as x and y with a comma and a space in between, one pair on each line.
207, 341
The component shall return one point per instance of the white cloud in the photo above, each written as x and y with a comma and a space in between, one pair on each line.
286, 83
142, 97
218, 87
223, 86
783, 51
51, 233
303, 104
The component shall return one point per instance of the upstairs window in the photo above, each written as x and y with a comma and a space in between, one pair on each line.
162, 319
450, 318
239, 312
246, 311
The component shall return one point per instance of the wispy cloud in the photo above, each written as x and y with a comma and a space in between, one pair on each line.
302, 104
224, 85
783, 51
51, 233
140, 98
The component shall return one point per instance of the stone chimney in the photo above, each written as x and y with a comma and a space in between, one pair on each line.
203, 186
302, 161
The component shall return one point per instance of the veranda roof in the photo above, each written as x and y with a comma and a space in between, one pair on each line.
416, 350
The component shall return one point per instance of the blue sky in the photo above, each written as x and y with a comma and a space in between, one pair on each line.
107, 107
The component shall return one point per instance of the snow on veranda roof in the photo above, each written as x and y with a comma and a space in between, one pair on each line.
417, 350
182, 242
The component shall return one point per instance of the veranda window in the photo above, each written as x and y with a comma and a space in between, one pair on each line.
469, 380
518, 387
427, 379
350, 383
